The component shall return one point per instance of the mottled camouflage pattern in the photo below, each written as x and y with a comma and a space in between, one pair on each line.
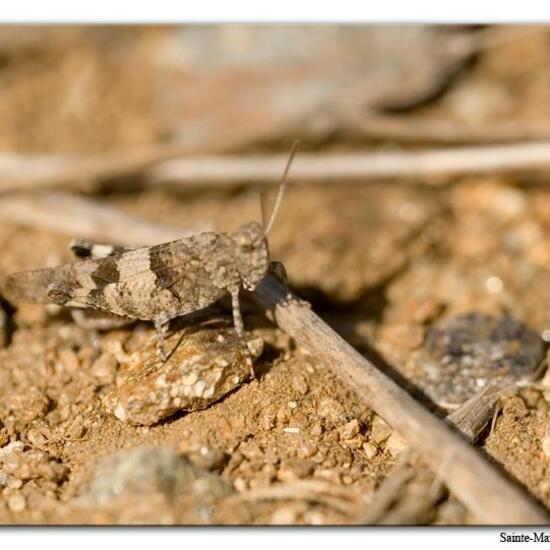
163, 281
156, 283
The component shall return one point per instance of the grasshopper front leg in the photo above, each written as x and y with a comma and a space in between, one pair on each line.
239, 327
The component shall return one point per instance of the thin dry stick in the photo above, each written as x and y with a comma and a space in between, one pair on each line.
77, 216
19, 172
389, 491
431, 166
476, 482
473, 415
355, 167
344, 500
469, 419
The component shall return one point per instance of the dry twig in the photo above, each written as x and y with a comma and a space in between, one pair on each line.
357, 167
429, 166
342, 499
411, 509
77, 216
476, 482
20, 171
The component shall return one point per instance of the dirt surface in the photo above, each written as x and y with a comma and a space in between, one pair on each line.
419, 276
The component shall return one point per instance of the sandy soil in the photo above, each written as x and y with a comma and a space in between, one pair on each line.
393, 268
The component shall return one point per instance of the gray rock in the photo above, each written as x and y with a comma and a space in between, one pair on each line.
146, 470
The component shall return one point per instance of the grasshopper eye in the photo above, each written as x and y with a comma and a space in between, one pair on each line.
245, 242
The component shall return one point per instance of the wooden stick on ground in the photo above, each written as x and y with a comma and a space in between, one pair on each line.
476, 482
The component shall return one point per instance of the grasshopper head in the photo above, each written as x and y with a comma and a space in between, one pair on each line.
251, 238
252, 256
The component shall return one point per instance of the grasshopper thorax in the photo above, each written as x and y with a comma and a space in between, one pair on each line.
252, 258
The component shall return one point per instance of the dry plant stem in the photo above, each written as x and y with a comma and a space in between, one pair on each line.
478, 484
469, 419
22, 172
430, 166
342, 499
416, 505
473, 415
77, 216
389, 491
71, 171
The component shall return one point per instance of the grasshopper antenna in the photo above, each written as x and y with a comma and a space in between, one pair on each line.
282, 186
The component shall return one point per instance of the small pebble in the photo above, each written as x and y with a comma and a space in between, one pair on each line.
235, 460
395, 444
291, 430
370, 450
251, 450
17, 503
494, 285
316, 429
314, 517
104, 369
463, 353
380, 430
349, 430
353, 443
14, 483
283, 414
299, 384
69, 360
284, 516
268, 418
329, 475
514, 407
307, 449
146, 470
293, 469
332, 410
208, 458
347, 480
240, 485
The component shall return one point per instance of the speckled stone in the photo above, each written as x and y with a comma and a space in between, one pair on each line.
464, 353
205, 365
